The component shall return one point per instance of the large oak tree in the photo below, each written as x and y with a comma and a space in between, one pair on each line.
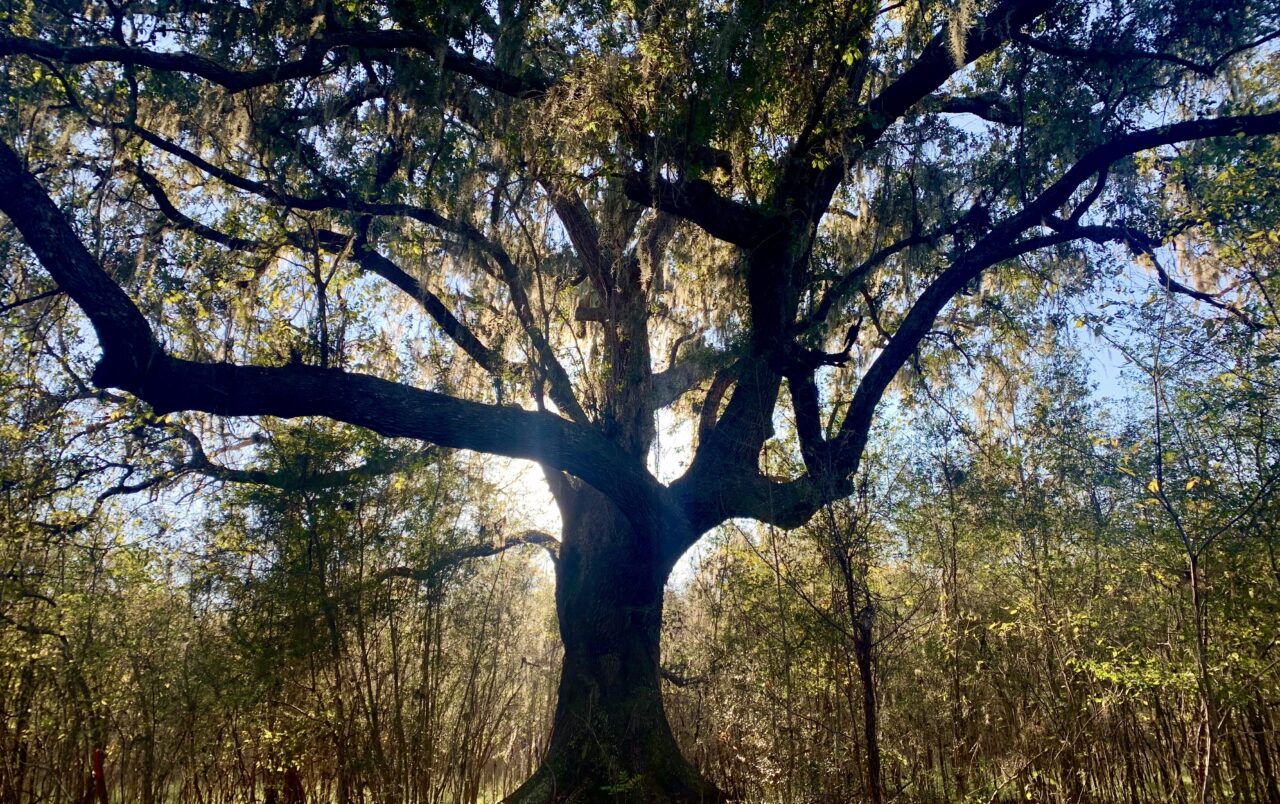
749, 213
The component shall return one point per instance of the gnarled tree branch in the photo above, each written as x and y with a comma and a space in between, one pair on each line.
133, 360
457, 555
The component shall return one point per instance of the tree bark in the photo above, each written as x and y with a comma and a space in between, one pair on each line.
863, 645
610, 739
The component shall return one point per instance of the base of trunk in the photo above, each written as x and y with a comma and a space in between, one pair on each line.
583, 778
611, 740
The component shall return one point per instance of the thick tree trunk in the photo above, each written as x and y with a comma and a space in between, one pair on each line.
610, 740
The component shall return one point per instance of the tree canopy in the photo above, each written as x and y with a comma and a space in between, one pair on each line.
539, 229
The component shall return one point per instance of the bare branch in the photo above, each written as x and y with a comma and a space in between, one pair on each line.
457, 555
989, 107
200, 463
374, 262
311, 64
859, 273
13, 305
1108, 55
1144, 245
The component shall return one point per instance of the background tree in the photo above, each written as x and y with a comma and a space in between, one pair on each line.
1036, 634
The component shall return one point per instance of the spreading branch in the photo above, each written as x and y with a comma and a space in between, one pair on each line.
560, 385
1001, 244
132, 360
711, 499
